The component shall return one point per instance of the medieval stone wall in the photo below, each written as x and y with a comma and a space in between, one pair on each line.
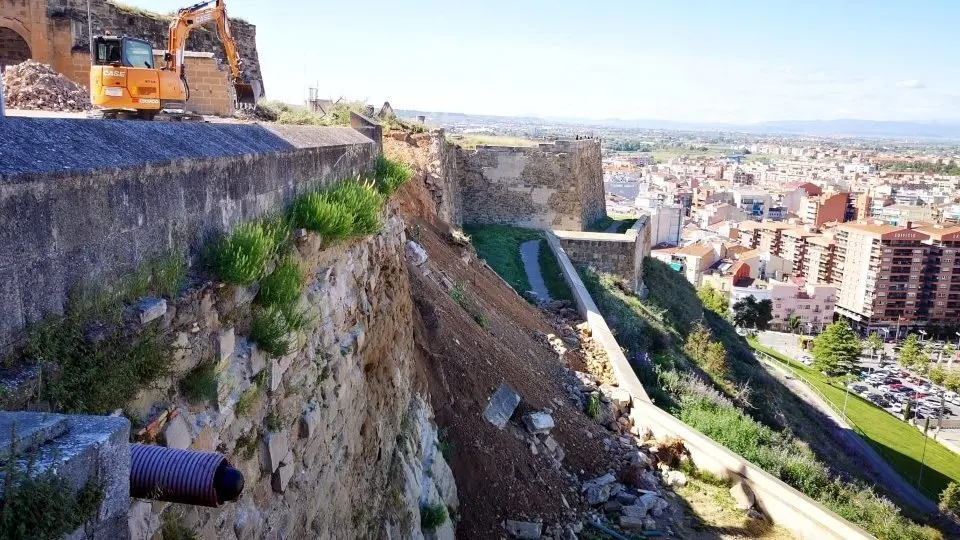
557, 185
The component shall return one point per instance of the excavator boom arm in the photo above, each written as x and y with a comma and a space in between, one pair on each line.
197, 15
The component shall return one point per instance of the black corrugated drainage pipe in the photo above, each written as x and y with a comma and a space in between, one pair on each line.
183, 476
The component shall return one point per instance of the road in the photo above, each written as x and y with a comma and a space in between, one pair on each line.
882, 471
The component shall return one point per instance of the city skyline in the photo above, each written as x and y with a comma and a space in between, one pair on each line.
742, 62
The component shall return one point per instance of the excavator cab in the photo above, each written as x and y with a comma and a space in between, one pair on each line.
124, 78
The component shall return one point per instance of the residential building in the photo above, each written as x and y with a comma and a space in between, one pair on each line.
795, 192
823, 209
666, 222
817, 265
793, 248
754, 202
862, 203
764, 265
813, 304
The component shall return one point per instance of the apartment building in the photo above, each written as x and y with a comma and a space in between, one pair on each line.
823, 209
812, 304
793, 248
891, 278
817, 262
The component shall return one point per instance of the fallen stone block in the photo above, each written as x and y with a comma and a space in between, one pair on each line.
631, 523
226, 343
415, 253
539, 423
599, 494
276, 446
604, 480
743, 495
523, 529
151, 308
501, 407
675, 478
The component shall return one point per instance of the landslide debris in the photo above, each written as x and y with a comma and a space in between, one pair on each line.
35, 86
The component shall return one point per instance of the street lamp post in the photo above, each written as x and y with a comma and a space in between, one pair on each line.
923, 334
923, 456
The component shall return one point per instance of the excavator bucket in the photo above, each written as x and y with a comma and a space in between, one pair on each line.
246, 98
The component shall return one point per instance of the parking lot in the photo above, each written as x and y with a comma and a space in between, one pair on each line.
881, 381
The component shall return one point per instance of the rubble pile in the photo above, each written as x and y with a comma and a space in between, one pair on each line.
35, 86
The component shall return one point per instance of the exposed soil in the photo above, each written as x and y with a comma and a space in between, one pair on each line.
35, 86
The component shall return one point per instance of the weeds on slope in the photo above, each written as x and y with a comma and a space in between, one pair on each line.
653, 326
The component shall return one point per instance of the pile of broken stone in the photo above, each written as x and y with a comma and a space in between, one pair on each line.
36, 86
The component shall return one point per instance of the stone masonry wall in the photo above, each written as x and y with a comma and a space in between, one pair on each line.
317, 445
618, 254
554, 186
431, 156
75, 205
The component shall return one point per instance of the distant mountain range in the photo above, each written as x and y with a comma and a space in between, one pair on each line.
835, 128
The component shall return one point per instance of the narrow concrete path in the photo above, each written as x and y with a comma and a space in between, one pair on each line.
881, 468
530, 255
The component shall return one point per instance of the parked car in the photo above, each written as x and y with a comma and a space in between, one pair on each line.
896, 408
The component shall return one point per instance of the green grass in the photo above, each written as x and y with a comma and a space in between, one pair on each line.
282, 288
900, 443
432, 516
284, 113
623, 223
240, 257
499, 245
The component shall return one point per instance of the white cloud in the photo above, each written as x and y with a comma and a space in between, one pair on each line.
911, 84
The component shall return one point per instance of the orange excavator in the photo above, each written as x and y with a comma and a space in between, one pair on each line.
125, 83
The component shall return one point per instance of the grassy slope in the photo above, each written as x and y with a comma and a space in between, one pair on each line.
499, 245
777, 431
900, 443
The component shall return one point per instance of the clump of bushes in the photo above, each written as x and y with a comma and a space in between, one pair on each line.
350, 208
272, 327
200, 384
241, 257
432, 516
283, 286
390, 175
362, 202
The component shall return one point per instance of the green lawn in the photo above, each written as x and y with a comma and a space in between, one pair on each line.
900, 443
624, 223
499, 245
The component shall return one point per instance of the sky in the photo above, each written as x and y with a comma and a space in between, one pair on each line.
682, 60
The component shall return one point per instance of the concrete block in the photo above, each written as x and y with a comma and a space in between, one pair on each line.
177, 433
632, 523
151, 308
29, 430
501, 407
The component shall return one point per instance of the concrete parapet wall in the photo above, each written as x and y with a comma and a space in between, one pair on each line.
786, 506
86, 199
557, 185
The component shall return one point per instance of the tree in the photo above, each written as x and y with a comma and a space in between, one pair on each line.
908, 410
794, 323
910, 352
950, 499
713, 300
948, 352
952, 381
938, 375
837, 348
873, 343
698, 342
716, 361
748, 313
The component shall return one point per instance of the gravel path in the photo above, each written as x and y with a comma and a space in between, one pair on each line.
530, 255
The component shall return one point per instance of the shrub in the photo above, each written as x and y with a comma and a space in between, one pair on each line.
390, 175
362, 202
459, 294
592, 407
481, 319
271, 330
45, 505
82, 375
201, 383
317, 212
241, 256
283, 286
950, 499
432, 516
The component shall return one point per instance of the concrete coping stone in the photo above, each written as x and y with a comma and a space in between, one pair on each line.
26, 431
596, 236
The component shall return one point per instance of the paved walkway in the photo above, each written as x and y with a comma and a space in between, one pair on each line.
530, 255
